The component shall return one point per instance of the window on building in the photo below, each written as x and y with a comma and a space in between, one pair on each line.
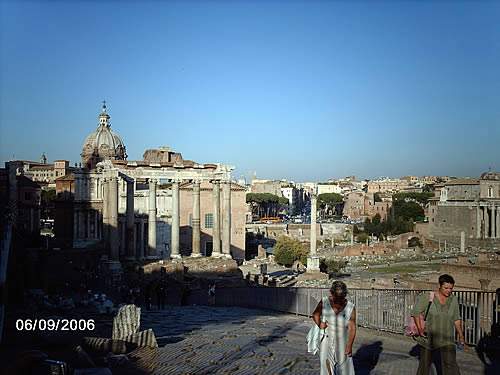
209, 220
490, 192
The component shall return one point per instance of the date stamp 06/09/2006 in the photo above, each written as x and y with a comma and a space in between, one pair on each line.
55, 324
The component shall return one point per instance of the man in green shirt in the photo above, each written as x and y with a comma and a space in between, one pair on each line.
441, 321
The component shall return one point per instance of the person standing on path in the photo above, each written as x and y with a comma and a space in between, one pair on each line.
439, 333
161, 292
337, 316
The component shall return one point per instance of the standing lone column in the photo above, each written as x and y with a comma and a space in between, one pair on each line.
196, 220
216, 222
312, 259
313, 224
175, 228
226, 220
130, 243
152, 221
113, 217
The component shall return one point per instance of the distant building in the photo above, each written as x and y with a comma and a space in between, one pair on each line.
43, 172
469, 205
359, 205
19, 198
387, 185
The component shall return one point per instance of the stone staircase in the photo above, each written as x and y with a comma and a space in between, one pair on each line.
286, 280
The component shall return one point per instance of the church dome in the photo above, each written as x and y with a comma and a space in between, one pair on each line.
102, 144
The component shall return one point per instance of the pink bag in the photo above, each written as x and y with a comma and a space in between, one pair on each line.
411, 328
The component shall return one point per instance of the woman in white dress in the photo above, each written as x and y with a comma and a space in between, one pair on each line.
337, 316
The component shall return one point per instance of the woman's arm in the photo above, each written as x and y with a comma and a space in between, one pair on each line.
317, 316
458, 326
352, 332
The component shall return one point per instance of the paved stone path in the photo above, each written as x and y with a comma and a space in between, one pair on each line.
218, 340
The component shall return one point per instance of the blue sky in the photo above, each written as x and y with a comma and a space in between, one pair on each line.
302, 90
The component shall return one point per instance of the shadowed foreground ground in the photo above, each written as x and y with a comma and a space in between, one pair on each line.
218, 340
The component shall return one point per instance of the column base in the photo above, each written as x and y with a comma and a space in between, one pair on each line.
228, 256
216, 255
175, 256
196, 255
312, 264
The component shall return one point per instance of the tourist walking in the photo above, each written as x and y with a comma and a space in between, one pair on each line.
337, 316
161, 292
442, 318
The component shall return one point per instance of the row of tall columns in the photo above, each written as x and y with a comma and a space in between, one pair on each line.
488, 222
110, 220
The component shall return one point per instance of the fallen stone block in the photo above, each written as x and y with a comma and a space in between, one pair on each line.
102, 346
126, 322
143, 338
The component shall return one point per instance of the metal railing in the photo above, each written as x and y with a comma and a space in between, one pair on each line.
381, 309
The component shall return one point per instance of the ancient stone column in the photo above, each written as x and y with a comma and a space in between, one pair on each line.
175, 228
130, 243
478, 221
75, 224
216, 219
462, 242
113, 218
498, 222
493, 224
313, 224
486, 222
105, 212
312, 259
196, 220
142, 240
151, 254
226, 219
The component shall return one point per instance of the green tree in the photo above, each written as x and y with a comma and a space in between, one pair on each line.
289, 248
283, 257
377, 198
264, 204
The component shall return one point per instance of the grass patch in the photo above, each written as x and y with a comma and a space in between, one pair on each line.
410, 268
